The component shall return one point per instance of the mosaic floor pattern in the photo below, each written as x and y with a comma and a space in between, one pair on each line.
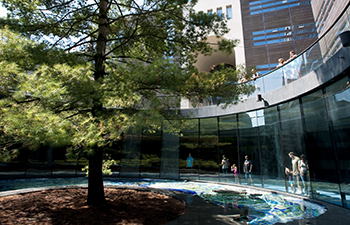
264, 207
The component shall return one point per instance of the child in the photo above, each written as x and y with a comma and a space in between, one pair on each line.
289, 173
235, 172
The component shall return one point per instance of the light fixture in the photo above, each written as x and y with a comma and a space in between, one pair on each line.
259, 98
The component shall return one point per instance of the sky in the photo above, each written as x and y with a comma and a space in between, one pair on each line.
2, 12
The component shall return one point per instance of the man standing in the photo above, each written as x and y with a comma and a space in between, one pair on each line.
247, 168
295, 170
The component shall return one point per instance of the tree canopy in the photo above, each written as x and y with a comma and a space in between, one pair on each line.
80, 73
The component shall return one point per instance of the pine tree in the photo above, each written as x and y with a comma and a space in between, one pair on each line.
80, 73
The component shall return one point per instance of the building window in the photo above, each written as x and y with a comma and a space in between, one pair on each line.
210, 11
282, 34
229, 12
219, 12
263, 6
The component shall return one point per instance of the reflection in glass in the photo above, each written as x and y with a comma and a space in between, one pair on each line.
271, 152
272, 81
130, 160
319, 148
64, 165
228, 145
40, 162
169, 165
338, 100
209, 159
291, 136
312, 58
248, 146
189, 145
150, 153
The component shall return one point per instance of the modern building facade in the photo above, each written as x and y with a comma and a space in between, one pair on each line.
232, 11
272, 28
325, 13
268, 29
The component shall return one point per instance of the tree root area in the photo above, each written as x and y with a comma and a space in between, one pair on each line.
68, 206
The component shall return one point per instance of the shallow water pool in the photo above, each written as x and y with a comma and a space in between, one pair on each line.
264, 207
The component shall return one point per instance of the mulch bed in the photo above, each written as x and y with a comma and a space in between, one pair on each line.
68, 206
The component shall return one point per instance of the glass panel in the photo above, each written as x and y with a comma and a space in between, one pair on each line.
291, 70
16, 168
338, 99
189, 161
130, 160
40, 162
258, 87
332, 40
312, 58
228, 146
151, 146
170, 154
319, 150
272, 81
271, 152
248, 148
66, 167
114, 152
291, 141
208, 150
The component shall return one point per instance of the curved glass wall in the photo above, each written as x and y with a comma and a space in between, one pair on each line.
315, 126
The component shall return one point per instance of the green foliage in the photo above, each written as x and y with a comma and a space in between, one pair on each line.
37, 98
208, 164
225, 83
106, 166
27, 54
148, 160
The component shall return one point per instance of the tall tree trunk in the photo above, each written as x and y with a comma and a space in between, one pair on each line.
95, 186
101, 41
